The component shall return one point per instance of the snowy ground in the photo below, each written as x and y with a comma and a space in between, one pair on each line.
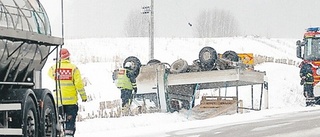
284, 96
285, 93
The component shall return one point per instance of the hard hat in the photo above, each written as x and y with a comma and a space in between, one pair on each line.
64, 53
128, 65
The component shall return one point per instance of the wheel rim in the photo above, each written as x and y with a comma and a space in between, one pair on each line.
48, 122
31, 123
207, 55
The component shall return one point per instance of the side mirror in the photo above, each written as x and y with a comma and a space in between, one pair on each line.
298, 43
299, 52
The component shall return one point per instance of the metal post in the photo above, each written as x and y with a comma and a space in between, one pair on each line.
62, 19
266, 94
162, 87
151, 31
252, 96
149, 10
261, 95
237, 94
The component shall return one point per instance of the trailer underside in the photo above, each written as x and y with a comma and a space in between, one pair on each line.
172, 88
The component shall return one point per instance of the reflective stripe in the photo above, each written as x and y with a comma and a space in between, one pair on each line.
70, 98
66, 84
83, 94
67, 100
134, 85
81, 90
308, 82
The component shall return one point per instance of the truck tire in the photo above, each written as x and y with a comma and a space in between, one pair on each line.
179, 66
207, 57
230, 55
153, 61
30, 127
136, 64
48, 114
48, 118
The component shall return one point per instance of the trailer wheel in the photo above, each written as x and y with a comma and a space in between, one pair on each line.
30, 119
153, 61
230, 55
48, 118
136, 64
207, 57
179, 66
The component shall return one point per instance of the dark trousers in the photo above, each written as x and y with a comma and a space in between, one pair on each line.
308, 90
126, 95
70, 114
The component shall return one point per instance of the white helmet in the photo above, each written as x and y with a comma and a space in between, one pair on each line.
128, 65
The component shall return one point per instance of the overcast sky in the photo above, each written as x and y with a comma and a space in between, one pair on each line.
106, 18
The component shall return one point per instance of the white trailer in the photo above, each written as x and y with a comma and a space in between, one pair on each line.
156, 83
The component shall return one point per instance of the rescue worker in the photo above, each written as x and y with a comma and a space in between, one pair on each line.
126, 82
69, 78
307, 79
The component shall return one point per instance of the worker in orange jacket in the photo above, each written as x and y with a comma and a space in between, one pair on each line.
70, 85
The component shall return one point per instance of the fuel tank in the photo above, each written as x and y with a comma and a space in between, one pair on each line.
25, 39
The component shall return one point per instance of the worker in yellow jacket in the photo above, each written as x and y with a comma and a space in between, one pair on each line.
69, 81
126, 82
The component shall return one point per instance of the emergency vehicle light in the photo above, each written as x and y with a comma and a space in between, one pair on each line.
315, 29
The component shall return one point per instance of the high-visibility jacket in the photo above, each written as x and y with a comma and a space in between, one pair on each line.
307, 74
70, 82
125, 80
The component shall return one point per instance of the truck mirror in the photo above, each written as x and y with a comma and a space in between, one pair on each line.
298, 43
299, 51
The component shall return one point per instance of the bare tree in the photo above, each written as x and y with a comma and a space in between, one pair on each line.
136, 25
216, 23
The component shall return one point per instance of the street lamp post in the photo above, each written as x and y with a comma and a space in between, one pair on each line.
147, 10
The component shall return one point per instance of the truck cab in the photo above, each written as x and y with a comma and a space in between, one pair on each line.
309, 51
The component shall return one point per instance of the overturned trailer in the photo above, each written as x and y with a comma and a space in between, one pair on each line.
166, 89
173, 87
26, 108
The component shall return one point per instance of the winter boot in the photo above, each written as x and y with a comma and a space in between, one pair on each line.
125, 110
310, 101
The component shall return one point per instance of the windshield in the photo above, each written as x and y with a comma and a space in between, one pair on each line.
312, 49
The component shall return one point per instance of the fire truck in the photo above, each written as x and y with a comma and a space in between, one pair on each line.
309, 51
